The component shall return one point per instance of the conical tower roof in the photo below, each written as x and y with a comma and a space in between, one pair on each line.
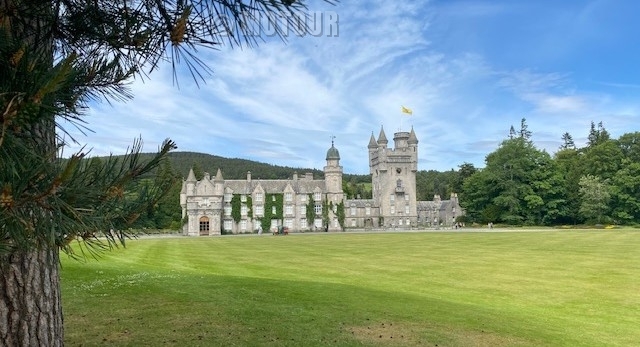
413, 140
372, 141
382, 139
219, 176
191, 177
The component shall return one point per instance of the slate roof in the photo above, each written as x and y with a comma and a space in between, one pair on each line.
274, 186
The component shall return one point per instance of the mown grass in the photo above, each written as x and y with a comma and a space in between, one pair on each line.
548, 288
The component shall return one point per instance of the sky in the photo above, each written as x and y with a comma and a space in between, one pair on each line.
468, 70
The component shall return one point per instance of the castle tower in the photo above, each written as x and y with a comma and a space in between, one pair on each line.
393, 178
333, 176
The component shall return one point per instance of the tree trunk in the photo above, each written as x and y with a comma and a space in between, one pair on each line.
30, 307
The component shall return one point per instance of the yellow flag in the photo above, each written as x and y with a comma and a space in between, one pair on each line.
406, 110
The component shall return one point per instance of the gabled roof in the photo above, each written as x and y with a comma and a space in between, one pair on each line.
275, 186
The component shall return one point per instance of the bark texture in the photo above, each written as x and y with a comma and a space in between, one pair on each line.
30, 307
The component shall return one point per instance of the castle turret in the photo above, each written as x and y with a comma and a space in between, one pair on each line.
333, 175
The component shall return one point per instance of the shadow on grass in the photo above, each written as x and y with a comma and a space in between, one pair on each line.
159, 308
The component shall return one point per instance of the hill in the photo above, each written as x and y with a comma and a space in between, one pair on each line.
236, 168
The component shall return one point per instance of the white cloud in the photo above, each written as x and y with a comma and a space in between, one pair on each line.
281, 103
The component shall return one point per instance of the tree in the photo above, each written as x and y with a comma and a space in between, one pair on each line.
629, 143
625, 196
56, 56
567, 142
594, 194
597, 135
525, 133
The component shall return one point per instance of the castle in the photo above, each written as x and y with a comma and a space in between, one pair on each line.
214, 205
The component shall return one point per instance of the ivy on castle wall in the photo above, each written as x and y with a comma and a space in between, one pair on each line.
249, 207
326, 206
311, 214
236, 207
340, 214
269, 203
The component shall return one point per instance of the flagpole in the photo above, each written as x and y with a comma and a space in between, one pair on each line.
404, 110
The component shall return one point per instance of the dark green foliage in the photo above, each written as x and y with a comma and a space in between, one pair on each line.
235, 208
272, 200
326, 206
523, 185
340, 213
310, 213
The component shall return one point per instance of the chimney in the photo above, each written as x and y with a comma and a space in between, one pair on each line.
248, 176
295, 175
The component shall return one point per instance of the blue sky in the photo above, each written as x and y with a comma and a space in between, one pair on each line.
468, 70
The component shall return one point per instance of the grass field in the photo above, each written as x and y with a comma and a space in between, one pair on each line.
548, 288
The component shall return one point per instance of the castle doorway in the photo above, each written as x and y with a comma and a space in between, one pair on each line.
204, 226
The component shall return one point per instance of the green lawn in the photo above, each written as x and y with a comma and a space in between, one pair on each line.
548, 288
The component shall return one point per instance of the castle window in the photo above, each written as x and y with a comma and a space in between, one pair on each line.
227, 225
243, 225
399, 221
408, 222
228, 197
399, 183
392, 198
406, 197
288, 210
288, 196
273, 198
259, 210
227, 210
353, 222
406, 209
317, 196
317, 223
243, 198
303, 210
273, 210
303, 224
243, 210
353, 210
318, 208
393, 209
258, 197
288, 223
367, 211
